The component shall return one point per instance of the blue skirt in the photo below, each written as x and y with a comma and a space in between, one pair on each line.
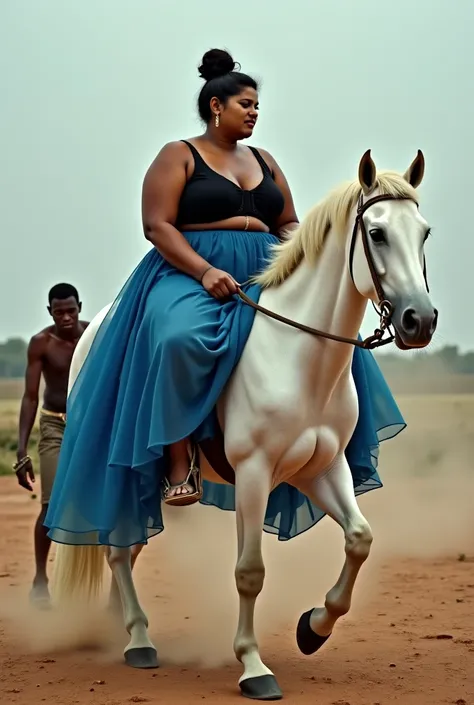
155, 371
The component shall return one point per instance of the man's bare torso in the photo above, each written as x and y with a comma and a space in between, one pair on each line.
56, 356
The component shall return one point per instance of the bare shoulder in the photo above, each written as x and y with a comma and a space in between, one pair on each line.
170, 153
271, 161
84, 325
38, 343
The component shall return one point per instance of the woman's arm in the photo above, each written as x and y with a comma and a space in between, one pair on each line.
288, 219
162, 188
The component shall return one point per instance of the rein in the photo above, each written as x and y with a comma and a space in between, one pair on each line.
385, 308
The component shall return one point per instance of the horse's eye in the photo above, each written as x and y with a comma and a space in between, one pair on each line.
377, 235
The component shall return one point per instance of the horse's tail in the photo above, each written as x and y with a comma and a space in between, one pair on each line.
78, 573
78, 570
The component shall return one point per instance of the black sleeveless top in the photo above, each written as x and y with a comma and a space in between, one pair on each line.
209, 196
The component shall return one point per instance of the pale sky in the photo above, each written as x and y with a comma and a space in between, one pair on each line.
91, 89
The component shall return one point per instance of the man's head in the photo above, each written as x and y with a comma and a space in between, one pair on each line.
64, 307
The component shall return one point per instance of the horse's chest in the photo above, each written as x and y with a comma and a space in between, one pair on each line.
316, 446
271, 407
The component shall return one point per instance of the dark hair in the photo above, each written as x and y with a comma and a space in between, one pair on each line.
62, 291
222, 80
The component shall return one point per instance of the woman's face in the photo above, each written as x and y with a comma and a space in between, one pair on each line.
239, 115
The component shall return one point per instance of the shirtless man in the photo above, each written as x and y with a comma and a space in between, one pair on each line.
49, 354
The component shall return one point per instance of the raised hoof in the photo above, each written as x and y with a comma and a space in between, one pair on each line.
308, 641
261, 688
145, 657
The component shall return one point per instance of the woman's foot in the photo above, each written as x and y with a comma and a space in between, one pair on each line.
183, 485
178, 479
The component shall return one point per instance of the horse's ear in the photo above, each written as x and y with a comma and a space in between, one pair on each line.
367, 173
415, 172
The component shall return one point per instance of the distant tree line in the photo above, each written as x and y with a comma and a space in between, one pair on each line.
13, 358
447, 360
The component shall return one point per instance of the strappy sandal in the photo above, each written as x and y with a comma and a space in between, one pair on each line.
193, 479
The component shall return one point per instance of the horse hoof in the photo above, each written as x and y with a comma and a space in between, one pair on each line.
261, 688
145, 657
308, 641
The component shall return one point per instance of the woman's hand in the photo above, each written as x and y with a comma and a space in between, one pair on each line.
219, 284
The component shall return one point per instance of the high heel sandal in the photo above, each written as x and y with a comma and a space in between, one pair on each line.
193, 479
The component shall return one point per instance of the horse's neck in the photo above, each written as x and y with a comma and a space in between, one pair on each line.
322, 296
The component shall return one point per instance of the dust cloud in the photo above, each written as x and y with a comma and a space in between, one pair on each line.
88, 628
185, 577
423, 511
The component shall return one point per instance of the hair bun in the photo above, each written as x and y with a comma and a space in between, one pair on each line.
216, 63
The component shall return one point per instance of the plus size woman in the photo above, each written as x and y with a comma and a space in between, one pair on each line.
212, 208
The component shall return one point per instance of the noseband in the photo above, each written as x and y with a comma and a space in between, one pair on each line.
384, 309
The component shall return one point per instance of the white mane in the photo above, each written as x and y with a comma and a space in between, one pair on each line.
332, 213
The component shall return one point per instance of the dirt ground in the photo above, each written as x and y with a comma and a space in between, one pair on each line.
409, 638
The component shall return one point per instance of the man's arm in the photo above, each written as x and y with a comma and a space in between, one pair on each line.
29, 407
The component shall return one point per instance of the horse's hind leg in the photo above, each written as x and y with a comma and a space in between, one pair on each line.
334, 494
115, 603
140, 652
252, 490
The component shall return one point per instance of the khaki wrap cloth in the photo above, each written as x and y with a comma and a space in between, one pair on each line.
51, 427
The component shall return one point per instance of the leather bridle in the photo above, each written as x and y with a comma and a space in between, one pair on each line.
384, 308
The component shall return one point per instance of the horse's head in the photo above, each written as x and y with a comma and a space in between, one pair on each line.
386, 252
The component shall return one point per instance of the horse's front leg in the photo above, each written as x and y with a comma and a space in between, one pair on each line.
334, 494
140, 652
252, 485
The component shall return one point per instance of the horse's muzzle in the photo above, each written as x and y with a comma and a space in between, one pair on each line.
414, 325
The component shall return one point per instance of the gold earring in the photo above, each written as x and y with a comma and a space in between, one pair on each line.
217, 120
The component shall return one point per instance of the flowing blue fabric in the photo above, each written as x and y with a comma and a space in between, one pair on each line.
155, 371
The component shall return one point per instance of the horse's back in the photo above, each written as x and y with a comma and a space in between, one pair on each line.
84, 345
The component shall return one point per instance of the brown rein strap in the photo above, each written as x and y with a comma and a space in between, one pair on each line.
370, 343
385, 308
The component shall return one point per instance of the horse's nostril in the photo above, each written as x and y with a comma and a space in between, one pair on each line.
410, 320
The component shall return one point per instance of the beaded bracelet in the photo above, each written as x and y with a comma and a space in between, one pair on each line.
20, 464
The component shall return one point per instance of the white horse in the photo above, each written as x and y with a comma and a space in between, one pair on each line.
291, 405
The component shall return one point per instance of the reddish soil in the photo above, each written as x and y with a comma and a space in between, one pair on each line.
409, 640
